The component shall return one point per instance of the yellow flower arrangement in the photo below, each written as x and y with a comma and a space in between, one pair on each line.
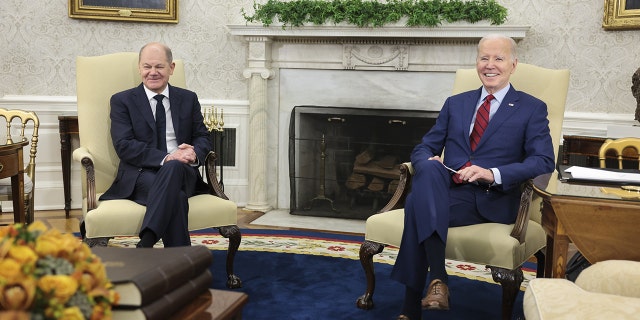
45, 274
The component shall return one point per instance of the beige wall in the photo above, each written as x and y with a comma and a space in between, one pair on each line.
40, 43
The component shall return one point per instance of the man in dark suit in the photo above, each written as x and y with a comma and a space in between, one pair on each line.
160, 138
494, 147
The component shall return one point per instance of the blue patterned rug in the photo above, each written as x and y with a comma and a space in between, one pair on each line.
314, 275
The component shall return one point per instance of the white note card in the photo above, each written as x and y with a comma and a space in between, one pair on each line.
602, 175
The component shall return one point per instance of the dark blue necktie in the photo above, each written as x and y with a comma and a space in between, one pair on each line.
161, 124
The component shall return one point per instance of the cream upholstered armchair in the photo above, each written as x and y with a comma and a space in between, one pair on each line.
608, 289
504, 248
28, 123
98, 78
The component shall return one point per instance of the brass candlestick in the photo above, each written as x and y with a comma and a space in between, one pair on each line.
214, 119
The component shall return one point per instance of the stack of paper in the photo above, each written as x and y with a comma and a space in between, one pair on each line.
583, 173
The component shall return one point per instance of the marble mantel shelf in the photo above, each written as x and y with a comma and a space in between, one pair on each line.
452, 31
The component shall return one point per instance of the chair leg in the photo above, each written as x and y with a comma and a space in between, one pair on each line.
234, 236
367, 250
97, 242
540, 257
510, 281
93, 242
28, 210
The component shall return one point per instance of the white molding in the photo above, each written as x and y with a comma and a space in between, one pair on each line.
10, 98
594, 124
43, 105
447, 31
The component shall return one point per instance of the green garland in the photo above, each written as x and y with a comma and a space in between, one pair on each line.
372, 13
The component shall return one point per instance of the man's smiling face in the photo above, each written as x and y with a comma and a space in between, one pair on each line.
155, 68
495, 63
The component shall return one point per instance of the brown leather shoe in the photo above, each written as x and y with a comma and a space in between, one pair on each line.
402, 317
437, 296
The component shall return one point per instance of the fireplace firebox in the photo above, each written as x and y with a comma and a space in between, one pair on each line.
344, 162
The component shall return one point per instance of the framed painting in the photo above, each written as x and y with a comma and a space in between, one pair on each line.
165, 11
621, 14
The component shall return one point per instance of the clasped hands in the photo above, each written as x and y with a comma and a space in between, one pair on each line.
185, 154
472, 173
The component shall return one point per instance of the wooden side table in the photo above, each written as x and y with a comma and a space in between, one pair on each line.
12, 165
68, 125
603, 226
214, 305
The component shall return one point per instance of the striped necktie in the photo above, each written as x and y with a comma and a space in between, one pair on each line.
482, 120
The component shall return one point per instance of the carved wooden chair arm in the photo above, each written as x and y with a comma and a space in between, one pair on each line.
404, 186
210, 169
82, 155
519, 230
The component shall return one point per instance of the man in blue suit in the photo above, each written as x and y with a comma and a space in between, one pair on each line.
160, 138
494, 147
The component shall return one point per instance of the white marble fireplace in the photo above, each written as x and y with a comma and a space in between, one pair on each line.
390, 68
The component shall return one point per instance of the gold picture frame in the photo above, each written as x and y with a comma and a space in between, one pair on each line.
164, 11
621, 14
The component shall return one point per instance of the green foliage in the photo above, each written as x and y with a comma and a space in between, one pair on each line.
376, 14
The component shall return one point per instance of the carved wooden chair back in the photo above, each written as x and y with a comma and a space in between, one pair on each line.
624, 148
21, 126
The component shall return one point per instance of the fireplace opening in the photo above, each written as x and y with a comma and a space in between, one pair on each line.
344, 162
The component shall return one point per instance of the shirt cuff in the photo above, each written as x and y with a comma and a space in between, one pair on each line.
497, 179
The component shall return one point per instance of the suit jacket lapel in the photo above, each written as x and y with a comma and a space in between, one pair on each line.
468, 112
508, 108
175, 99
141, 99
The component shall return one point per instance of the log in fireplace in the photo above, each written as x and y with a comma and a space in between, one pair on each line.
344, 162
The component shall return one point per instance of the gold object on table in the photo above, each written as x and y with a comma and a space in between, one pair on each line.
624, 192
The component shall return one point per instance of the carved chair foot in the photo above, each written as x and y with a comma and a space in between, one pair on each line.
235, 237
510, 280
365, 302
97, 242
367, 250
234, 282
